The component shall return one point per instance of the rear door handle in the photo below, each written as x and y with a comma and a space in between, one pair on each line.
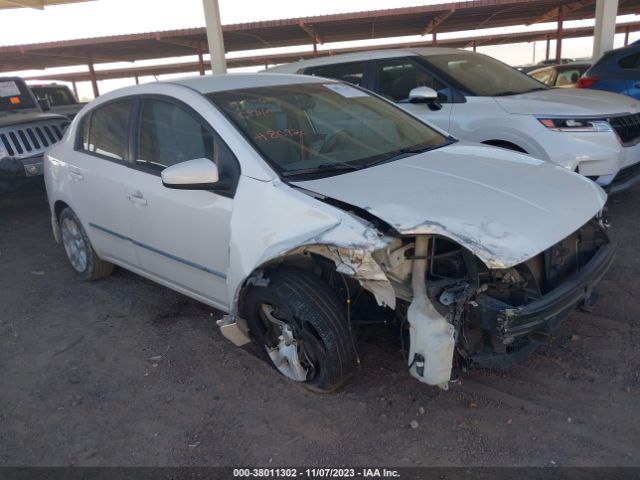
137, 198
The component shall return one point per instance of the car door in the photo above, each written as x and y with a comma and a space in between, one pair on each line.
394, 78
181, 236
97, 175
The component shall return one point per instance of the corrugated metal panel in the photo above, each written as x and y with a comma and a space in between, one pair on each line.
460, 17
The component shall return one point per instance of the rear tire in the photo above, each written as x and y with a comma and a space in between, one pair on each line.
303, 327
77, 246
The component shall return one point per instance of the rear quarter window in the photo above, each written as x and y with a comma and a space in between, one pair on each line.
630, 62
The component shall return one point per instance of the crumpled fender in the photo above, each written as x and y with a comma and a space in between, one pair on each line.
285, 221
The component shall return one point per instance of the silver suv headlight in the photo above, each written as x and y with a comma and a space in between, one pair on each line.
576, 124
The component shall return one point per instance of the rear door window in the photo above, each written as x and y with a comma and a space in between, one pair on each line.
109, 130
631, 62
347, 72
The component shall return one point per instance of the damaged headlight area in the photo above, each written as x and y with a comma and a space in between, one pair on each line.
494, 317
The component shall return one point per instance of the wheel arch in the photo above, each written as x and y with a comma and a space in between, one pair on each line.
356, 267
58, 207
505, 144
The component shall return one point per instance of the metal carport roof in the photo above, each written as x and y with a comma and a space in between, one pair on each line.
37, 4
260, 60
447, 17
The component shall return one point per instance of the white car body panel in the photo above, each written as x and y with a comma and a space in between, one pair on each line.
96, 190
514, 118
182, 235
568, 101
439, 191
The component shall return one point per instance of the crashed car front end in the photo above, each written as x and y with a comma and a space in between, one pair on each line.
499, 316
475, 252
459, 312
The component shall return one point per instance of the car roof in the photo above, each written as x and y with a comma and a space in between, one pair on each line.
206, 84
367, 55
610, 57
232, 81
562, 66
622, 51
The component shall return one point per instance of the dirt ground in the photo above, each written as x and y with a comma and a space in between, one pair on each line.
125, 372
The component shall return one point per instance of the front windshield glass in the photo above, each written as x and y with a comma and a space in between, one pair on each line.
483, 76
316, 128
14, 96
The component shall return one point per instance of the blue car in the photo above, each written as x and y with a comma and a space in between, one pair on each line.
617, 71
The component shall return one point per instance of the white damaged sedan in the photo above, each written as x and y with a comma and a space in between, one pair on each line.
300, 205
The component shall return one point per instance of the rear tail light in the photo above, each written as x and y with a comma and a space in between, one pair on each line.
587, 82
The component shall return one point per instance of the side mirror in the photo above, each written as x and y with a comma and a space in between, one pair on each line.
199, 174
425, 95
44, 104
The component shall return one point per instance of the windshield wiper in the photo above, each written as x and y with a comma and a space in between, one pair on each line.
405, 152
324, 167
507, 93
510, 92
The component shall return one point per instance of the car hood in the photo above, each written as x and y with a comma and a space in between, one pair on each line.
8, 119
568, 101
503, 206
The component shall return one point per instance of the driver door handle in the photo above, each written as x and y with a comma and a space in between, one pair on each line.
137, 198
75, 174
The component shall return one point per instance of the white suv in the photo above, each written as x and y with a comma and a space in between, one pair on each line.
478, 98
298, 205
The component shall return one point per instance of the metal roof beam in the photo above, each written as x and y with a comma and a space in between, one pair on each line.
37, 4
180, 43
433, 24
67, 56
311, 31
554, 13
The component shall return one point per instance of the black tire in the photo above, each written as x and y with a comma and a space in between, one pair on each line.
318, 319
93, 268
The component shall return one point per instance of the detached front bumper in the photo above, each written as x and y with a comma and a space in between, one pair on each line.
544, 315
